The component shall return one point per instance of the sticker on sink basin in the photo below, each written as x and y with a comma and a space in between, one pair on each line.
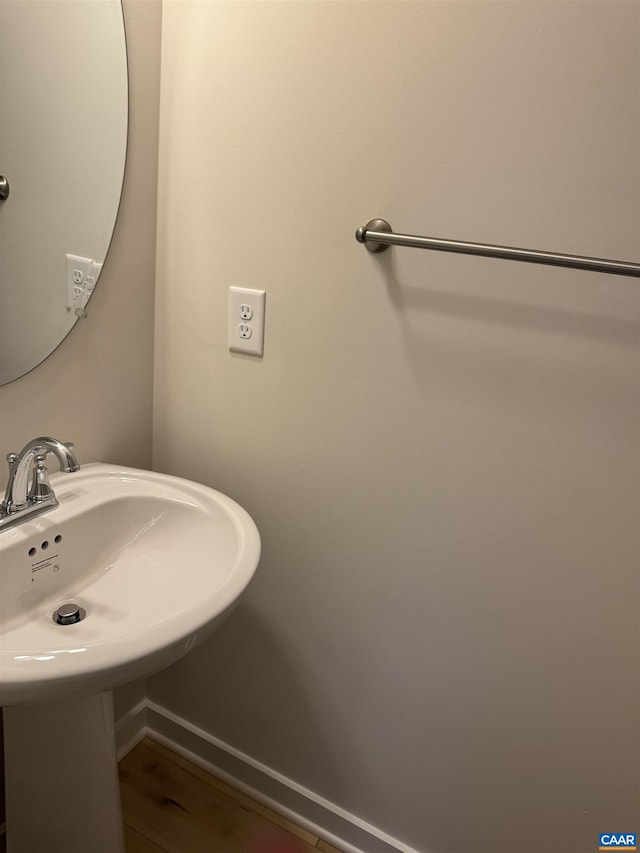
52, 562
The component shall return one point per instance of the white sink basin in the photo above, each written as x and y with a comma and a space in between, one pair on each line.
155, 561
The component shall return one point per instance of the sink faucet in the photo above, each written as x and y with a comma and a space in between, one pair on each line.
22, 501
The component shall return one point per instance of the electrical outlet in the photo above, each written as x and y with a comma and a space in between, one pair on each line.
246, 320
81, 275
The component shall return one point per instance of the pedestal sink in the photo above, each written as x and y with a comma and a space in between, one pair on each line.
150, 564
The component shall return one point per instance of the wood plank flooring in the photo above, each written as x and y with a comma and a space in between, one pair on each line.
172, 806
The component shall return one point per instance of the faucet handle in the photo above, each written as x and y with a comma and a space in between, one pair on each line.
12, 459
40, 487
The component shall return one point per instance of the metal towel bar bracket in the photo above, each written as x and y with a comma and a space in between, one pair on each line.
377, 235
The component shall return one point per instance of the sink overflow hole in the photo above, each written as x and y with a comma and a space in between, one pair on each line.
44, 545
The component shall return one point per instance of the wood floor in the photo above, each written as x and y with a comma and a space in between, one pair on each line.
172, 806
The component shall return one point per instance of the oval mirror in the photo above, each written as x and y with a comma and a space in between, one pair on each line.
63, 139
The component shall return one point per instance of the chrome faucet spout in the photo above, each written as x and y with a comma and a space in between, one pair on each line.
64, 452
18, 501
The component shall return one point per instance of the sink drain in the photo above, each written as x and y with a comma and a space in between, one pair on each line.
69, 614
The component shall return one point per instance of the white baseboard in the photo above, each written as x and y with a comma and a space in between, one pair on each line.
131, 729
300, 805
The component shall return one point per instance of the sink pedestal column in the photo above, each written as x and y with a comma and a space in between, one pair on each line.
62, 790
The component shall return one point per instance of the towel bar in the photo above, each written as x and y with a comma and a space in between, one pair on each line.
377, 235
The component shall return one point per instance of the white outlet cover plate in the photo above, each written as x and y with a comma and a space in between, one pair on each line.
76, 268
240, 296
81, 276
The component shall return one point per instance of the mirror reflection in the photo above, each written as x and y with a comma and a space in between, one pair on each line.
63, 133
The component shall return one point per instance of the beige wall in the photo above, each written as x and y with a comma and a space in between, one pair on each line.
96, 389
441, 452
